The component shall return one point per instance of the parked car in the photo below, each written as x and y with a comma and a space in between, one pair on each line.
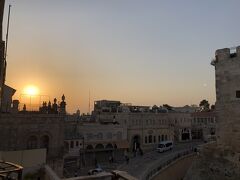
95, 171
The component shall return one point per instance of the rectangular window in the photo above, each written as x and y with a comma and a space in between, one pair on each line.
237, 94
154, 139
150, 138
77, 143
145, 139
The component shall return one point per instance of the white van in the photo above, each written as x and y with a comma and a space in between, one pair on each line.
165, 146
209, 138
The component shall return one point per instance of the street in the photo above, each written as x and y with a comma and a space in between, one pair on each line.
138, 165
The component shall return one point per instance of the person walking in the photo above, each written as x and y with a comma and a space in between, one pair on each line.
110, 159
126, 156
127, 159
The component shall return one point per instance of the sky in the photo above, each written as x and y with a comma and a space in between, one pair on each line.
140, 52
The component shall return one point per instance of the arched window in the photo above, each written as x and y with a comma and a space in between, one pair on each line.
150, 138
99, 146
109, 146
154, 139
32, 142
89, 147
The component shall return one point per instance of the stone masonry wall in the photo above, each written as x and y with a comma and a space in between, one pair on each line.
227, 69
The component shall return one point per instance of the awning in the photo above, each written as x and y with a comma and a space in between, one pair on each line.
122, 144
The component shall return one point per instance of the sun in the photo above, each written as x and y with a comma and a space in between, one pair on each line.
31, 90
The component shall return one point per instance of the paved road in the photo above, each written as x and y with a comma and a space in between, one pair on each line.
137, 166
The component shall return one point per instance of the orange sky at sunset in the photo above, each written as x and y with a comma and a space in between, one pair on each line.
136, 52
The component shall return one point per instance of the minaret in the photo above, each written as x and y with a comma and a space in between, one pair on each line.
62, 107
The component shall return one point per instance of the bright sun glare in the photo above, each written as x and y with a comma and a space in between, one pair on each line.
31, 90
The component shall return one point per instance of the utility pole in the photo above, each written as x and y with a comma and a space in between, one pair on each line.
89, 102
5, 55
3, 50
9, 12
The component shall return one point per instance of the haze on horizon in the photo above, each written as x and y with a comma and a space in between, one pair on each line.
140, 52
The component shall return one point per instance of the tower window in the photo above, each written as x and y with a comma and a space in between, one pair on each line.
237, 94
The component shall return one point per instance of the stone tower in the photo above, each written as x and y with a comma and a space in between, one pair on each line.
227, 74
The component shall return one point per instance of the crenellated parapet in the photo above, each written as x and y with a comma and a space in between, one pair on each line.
238, 51
222, 54
225, 53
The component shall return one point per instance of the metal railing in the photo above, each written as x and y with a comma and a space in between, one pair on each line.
10, 170
156, 168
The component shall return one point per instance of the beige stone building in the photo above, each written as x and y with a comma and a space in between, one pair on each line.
227, 70
204, 125
182, 125
145, 127
87, 143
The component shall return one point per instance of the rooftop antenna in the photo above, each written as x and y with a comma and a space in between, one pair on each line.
9, 12
89, 101
5, 55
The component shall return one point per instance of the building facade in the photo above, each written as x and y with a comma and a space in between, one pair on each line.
204, 125
181, 121
33, 131
146, 126
87, 143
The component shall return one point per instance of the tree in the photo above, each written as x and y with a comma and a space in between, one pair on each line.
155, 108
204, 105
167, 107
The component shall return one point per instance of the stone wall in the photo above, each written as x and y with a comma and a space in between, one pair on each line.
177, 170
227, 69
16, 129
34, 131
214, 163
